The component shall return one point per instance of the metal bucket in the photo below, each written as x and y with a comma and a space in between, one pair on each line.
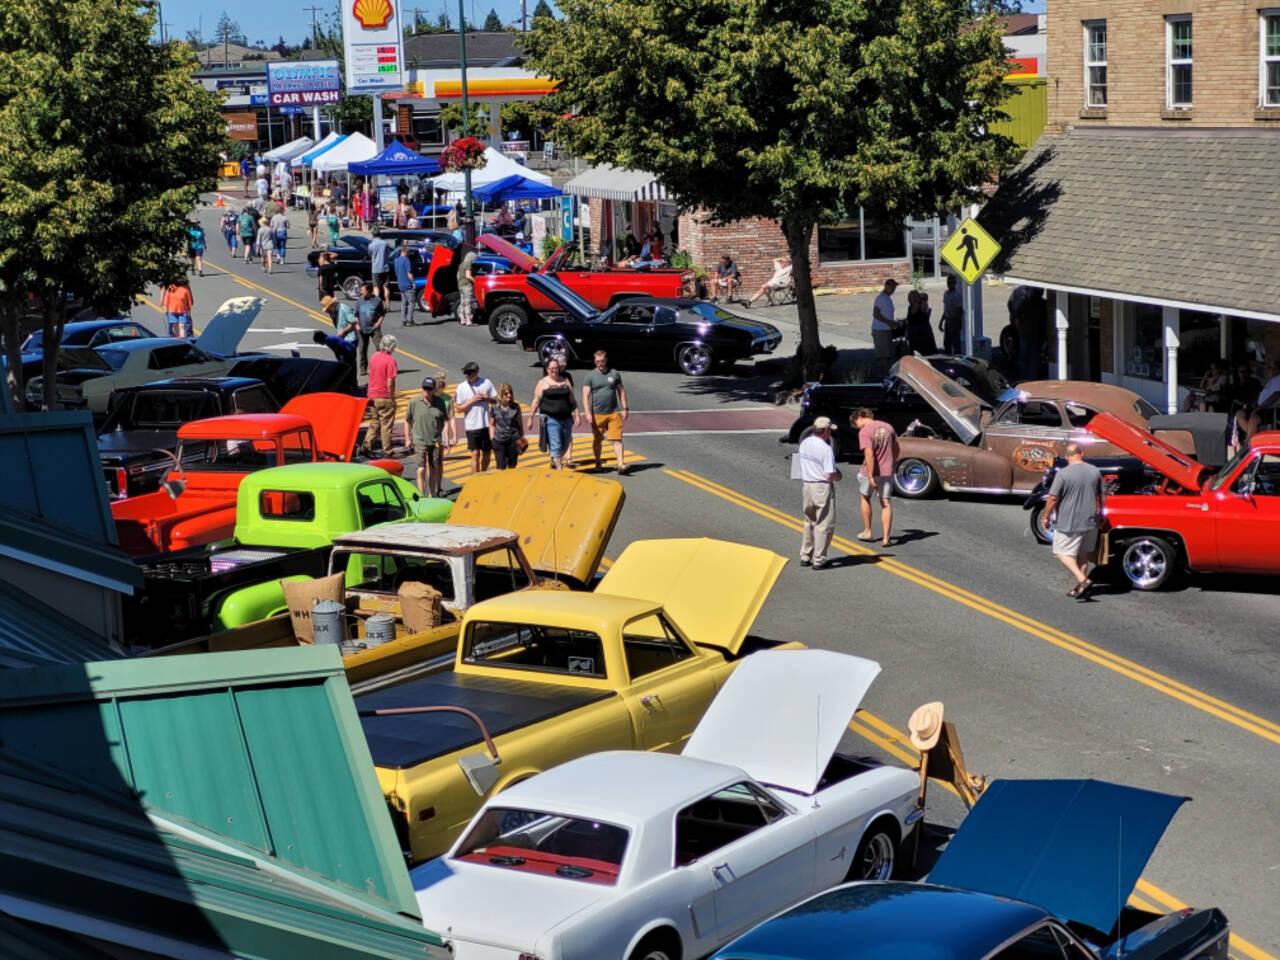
326, 622
379, 629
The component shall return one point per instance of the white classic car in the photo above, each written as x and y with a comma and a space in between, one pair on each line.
628, 855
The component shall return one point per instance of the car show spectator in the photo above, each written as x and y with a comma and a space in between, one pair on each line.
246, 172
728, 279
379, 257
230, 230
326, 274
472, 399
369, 313
507, 429
404, 283
313, 223
344, 320
952, 323
247, 225
604, 400
279, 234
1073, 509
878, 442
426, 421
382, 393
266, 243
466, 287
779, 281
919, 330
333, 222
177, 303
553, 399
344, 351
195, 246
815, 466
884, 327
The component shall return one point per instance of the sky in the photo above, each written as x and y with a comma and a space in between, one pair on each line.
268, 21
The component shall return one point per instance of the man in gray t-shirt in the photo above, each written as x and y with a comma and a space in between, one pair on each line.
605, 397
1076, 496
379, 254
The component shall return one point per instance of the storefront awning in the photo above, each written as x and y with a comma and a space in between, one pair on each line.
607, 182
1182, 218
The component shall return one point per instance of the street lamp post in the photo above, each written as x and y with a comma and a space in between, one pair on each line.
468, 217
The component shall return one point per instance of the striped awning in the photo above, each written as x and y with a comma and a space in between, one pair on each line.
607, 182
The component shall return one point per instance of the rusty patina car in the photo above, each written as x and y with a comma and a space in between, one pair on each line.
1006, 449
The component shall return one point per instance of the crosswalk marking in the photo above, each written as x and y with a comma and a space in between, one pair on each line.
458, 464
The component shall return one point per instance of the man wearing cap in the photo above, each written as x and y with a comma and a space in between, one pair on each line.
382, 393
472, 398
818, 471
344, 351
425, 421
883, 327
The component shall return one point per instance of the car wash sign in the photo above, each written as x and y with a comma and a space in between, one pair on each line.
303, 83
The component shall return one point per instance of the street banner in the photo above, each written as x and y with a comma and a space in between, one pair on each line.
372, 39
303, 83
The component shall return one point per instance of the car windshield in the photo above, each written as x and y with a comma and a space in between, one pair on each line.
1145, 409
548, 844
244, 455
1223, 475
527, 646
115, 358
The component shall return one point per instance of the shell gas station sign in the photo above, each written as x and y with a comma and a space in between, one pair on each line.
371, 36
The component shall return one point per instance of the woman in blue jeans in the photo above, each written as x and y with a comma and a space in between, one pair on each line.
553, 399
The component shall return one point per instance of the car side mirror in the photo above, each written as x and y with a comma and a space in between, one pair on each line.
1246, 490
481, 771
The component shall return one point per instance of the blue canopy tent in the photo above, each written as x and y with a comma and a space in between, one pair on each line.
396, 160
513, 188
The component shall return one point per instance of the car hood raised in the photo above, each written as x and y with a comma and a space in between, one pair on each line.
335, 420
578, 307
961, 409
712, 589
1150, 449
1074, 847
505, 248
564, 518
781, 714
226, 328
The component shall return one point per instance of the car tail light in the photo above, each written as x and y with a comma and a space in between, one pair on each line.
122, 482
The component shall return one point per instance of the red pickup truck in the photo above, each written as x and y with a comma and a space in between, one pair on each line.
315, 426
509, 302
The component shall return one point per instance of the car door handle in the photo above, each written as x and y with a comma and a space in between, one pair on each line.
716, 872
652, 703
1197, 506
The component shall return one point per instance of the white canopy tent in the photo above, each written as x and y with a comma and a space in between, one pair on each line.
294, 148
332, 138
497, 166
356, 147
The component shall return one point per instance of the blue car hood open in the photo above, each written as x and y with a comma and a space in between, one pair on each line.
1074, 847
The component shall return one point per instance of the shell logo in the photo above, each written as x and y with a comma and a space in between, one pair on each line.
372, 14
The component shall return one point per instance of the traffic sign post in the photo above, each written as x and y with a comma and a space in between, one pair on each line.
969, 252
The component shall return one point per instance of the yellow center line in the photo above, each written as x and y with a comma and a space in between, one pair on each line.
150, 304
1202, 701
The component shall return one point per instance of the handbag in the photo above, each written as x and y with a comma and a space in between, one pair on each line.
522, 444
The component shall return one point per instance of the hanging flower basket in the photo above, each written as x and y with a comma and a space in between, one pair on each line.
464, 154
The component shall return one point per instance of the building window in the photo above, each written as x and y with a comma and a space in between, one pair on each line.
1178, 61
1095, 63
868, 236
1270, 57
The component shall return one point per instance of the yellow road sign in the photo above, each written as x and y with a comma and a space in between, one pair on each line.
970, 250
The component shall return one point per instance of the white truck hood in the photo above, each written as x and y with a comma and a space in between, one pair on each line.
495, 906
221, 336
781, 714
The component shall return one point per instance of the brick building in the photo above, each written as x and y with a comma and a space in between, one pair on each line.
1150, 209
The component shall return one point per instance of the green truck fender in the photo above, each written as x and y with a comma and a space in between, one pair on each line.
431, 509
257, 602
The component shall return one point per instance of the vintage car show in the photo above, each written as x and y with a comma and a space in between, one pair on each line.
585, 481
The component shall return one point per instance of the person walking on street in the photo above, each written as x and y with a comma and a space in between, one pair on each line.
369, 313
266, 243
883, 327
879, 445
604, 399
817, 470
1075, 496
404, 283
553, 399
382, 393
507, 428
326, 274
466, 287
379, 254
246, 171
177, 304
230, 230
425, 422
450, 435
472, 399
952, 323
313, 223
333, 222
280, 234
247, 224
195, 246
263, 187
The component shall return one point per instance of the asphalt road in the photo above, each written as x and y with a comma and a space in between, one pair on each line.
1176, 691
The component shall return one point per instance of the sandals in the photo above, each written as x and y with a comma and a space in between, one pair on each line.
1080, 589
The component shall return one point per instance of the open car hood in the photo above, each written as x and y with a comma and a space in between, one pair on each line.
226, 328
570, 301
1074, 847
1150, 449
961, 409
781, 714
564, 519
505, 248
335, 420
713, 589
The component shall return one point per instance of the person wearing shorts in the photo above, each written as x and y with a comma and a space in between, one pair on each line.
472, 399
1075, 497
425, 421
604, 397
879, 445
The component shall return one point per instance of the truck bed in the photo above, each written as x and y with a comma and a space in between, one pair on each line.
407, 740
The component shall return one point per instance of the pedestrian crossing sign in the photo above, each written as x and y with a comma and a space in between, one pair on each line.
970, 250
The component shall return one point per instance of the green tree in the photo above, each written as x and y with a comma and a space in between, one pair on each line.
105, 145
228, 31
525, 116
797, 110
543, 9
493, 23
451, 118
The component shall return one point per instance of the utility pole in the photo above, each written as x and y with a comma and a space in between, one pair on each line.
315, 37
415, 21
524, 16
469, 217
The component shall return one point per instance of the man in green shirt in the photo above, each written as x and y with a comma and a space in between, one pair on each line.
425, 421
604, 396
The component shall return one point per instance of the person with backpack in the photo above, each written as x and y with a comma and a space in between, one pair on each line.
247, 224
230, 231
195, 246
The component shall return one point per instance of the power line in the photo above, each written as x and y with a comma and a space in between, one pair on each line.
315, 40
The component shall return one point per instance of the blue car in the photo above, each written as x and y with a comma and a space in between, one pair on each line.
88, 333
1039, 870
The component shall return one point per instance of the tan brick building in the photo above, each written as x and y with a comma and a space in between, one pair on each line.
1150, 209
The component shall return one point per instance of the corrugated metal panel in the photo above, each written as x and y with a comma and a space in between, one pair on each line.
33, 635
1028, 110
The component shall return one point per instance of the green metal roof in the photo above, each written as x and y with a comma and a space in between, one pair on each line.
262, 748
33, 634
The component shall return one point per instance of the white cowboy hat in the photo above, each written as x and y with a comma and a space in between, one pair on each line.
925, 725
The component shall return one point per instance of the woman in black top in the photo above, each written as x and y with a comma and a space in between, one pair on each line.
919, 331
506, 428
553, 399
326, 274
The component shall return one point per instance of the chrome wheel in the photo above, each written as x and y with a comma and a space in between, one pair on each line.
1037, 518
552, 348
913, 477
505, 322
875, 857
694, 359
1148, 562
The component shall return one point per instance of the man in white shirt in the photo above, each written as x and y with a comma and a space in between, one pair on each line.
884, 327
819, 473
473, 397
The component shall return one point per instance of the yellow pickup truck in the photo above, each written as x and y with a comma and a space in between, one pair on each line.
541, 677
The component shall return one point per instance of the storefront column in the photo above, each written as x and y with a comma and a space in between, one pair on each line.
1171, 342
1060, 322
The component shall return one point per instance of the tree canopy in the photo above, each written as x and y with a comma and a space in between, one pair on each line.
797, 110
543, 9
493, 22
105, 145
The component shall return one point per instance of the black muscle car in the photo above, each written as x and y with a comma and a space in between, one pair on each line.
692, 335
356, 267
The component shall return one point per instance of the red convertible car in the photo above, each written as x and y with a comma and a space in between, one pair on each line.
1197, 520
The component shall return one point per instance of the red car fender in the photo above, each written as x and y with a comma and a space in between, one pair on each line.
206, 528
393, 467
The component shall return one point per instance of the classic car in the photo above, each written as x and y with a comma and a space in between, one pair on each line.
892, 399
757, 812
132, 362
1038, 869
355, 266
692, 335
87, 333
1119, 475
547, 676
1006, 450
1195, 519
